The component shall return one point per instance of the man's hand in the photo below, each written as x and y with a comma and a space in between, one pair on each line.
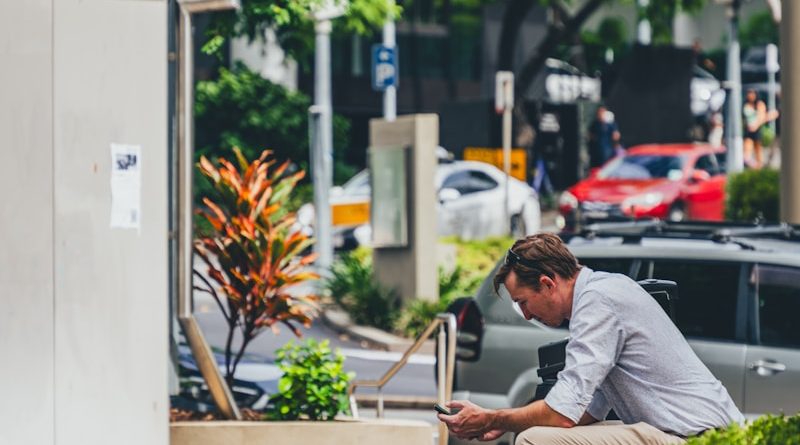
471, 421
491, 435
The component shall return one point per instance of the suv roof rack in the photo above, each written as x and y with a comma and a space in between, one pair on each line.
632, 232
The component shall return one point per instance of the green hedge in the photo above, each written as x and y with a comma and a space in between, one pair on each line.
753, 194
766, 430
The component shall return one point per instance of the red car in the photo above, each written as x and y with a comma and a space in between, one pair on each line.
668, 181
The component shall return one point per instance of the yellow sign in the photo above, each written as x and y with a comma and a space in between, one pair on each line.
350, 214
494, 156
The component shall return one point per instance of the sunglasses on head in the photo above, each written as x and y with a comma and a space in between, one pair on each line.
513, 258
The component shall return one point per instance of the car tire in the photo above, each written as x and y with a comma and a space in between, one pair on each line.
677, 213
518, 229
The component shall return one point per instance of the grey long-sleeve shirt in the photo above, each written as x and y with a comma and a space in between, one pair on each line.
625, 353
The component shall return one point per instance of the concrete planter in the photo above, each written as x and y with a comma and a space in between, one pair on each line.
340, 432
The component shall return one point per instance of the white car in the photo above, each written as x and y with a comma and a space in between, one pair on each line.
707, 94
470, 205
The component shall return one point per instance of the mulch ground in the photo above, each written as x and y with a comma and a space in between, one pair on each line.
181, 415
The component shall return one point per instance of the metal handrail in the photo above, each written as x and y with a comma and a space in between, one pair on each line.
445, 366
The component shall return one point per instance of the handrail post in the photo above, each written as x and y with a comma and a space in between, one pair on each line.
440, 372
445, 368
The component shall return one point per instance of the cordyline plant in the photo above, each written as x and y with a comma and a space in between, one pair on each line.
253, 254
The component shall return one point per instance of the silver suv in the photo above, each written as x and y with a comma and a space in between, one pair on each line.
738, 305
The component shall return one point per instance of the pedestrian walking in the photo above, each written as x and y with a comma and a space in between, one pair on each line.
603, 134
755, 116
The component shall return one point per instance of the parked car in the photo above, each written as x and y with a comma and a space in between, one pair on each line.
738, 305
676, 182
470, 205
706, 92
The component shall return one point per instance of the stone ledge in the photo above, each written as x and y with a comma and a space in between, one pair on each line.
339, 432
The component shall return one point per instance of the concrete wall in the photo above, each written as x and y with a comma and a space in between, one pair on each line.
83, 319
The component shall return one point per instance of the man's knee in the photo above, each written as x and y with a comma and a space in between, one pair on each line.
539, 435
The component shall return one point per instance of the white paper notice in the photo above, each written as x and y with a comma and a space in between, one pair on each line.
126, 184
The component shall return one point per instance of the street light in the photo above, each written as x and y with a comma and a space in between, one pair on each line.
183, 189
321, 130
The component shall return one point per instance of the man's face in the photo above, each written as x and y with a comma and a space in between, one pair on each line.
543, 305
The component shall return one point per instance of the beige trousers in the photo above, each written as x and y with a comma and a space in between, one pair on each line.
600, 433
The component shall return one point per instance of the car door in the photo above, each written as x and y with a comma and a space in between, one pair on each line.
772, 375
705, 199
478, 212
709, 310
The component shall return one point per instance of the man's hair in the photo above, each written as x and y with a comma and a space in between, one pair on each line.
542, 254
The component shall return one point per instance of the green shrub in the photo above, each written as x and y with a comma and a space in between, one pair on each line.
416, 315
313, 385
354, 288
474, 261
753, 194
766, 430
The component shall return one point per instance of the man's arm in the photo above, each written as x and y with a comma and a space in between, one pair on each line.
537, 413
474, 422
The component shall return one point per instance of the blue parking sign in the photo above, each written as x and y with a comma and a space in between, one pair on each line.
384, 67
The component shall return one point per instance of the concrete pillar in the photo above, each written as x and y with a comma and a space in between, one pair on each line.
790, 112
412, 269
84, 317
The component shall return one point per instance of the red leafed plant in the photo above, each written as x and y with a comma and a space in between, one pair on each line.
253, 255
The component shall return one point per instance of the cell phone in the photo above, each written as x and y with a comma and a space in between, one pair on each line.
441, 409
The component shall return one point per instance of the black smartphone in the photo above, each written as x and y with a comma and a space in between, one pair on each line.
441, 409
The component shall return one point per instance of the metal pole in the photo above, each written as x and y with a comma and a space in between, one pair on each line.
185, 156
390, 94
790, 107
772, 69
507, 156
322, 146
734, 121
441, 374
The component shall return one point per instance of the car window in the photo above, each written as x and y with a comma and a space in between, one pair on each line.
613, 265
778, 292
707, 295
643, 167
469, 181
707, 163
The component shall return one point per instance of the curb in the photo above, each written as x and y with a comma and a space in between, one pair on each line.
340, 322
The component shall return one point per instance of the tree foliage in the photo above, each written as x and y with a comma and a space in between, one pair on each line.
242, 109
661, 14
292, 22
759, 30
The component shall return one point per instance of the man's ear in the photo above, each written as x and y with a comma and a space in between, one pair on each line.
547, 282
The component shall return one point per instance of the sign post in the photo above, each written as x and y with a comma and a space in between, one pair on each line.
504, 103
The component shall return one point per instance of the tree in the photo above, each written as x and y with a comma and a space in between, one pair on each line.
759, 30
292, 22
563, 28
242, 109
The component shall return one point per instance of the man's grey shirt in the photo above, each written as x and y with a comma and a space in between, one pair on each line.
625, 353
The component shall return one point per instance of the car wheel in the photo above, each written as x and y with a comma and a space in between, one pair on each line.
677, 213
518, 229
